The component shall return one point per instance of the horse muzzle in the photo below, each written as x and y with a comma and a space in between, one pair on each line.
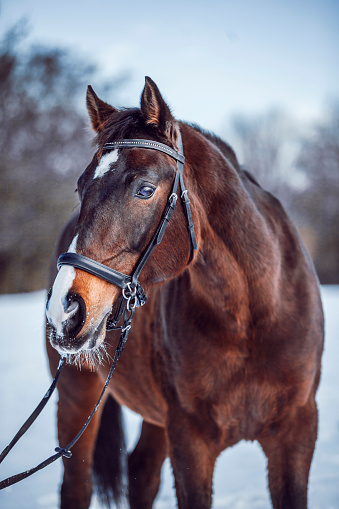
77, 310
68, 323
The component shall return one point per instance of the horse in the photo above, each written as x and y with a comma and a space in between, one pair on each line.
228, 346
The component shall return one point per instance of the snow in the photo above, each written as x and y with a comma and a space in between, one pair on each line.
240, 474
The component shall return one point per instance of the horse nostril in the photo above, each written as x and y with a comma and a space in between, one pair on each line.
72, 309
75, 314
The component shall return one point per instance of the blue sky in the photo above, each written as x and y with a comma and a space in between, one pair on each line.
209, 58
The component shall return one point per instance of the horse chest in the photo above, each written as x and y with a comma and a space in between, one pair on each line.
228, 393
214, 379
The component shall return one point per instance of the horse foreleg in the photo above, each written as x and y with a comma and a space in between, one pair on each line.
193, 456
144, 466
78, 393
289, 452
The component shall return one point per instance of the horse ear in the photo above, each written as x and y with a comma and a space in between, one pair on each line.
155, 110
98, 110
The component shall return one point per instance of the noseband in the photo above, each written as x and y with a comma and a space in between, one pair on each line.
133, 292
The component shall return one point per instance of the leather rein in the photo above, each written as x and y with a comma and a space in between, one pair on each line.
132, 296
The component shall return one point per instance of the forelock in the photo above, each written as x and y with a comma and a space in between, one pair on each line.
127, 123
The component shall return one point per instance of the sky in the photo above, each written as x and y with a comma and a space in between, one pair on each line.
211, 59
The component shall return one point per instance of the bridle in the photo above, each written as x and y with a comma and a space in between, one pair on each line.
132, 296
132, 291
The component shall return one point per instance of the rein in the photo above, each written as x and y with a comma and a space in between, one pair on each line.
133, 296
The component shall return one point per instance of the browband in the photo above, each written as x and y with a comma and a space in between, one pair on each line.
153, 145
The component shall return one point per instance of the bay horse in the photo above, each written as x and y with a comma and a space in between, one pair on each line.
228, 346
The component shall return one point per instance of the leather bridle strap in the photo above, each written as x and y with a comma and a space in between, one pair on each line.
102, 271
186, 203
153, 145
180, 158
118, 278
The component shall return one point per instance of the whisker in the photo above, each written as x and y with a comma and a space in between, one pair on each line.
91, 358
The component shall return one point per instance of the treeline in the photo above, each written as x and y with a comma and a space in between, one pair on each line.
300, 165
45, 144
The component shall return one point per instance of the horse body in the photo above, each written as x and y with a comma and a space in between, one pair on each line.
228, 346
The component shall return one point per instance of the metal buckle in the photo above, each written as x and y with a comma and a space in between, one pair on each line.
130, 294
172, 200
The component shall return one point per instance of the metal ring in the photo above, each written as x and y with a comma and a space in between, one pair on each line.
134, 302
130, 293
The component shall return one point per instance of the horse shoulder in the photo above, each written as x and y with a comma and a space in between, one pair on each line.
290, 339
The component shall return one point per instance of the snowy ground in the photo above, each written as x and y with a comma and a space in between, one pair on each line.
240, 477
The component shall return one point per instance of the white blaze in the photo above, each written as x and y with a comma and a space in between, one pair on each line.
63, 282
105, 163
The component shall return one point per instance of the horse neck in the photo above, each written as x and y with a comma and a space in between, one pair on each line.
237, 251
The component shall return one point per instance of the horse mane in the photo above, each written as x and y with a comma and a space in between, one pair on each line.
129, 123
224, 147
126, 123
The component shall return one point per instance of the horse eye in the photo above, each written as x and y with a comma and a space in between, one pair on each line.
145, 192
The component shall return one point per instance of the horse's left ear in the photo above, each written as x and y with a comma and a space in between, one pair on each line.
98, 110
155, 110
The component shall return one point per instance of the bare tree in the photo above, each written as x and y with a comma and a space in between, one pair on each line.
45, 144
301, 170
266, 146
317, 206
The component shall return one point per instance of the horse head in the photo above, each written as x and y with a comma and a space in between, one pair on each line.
123, 193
